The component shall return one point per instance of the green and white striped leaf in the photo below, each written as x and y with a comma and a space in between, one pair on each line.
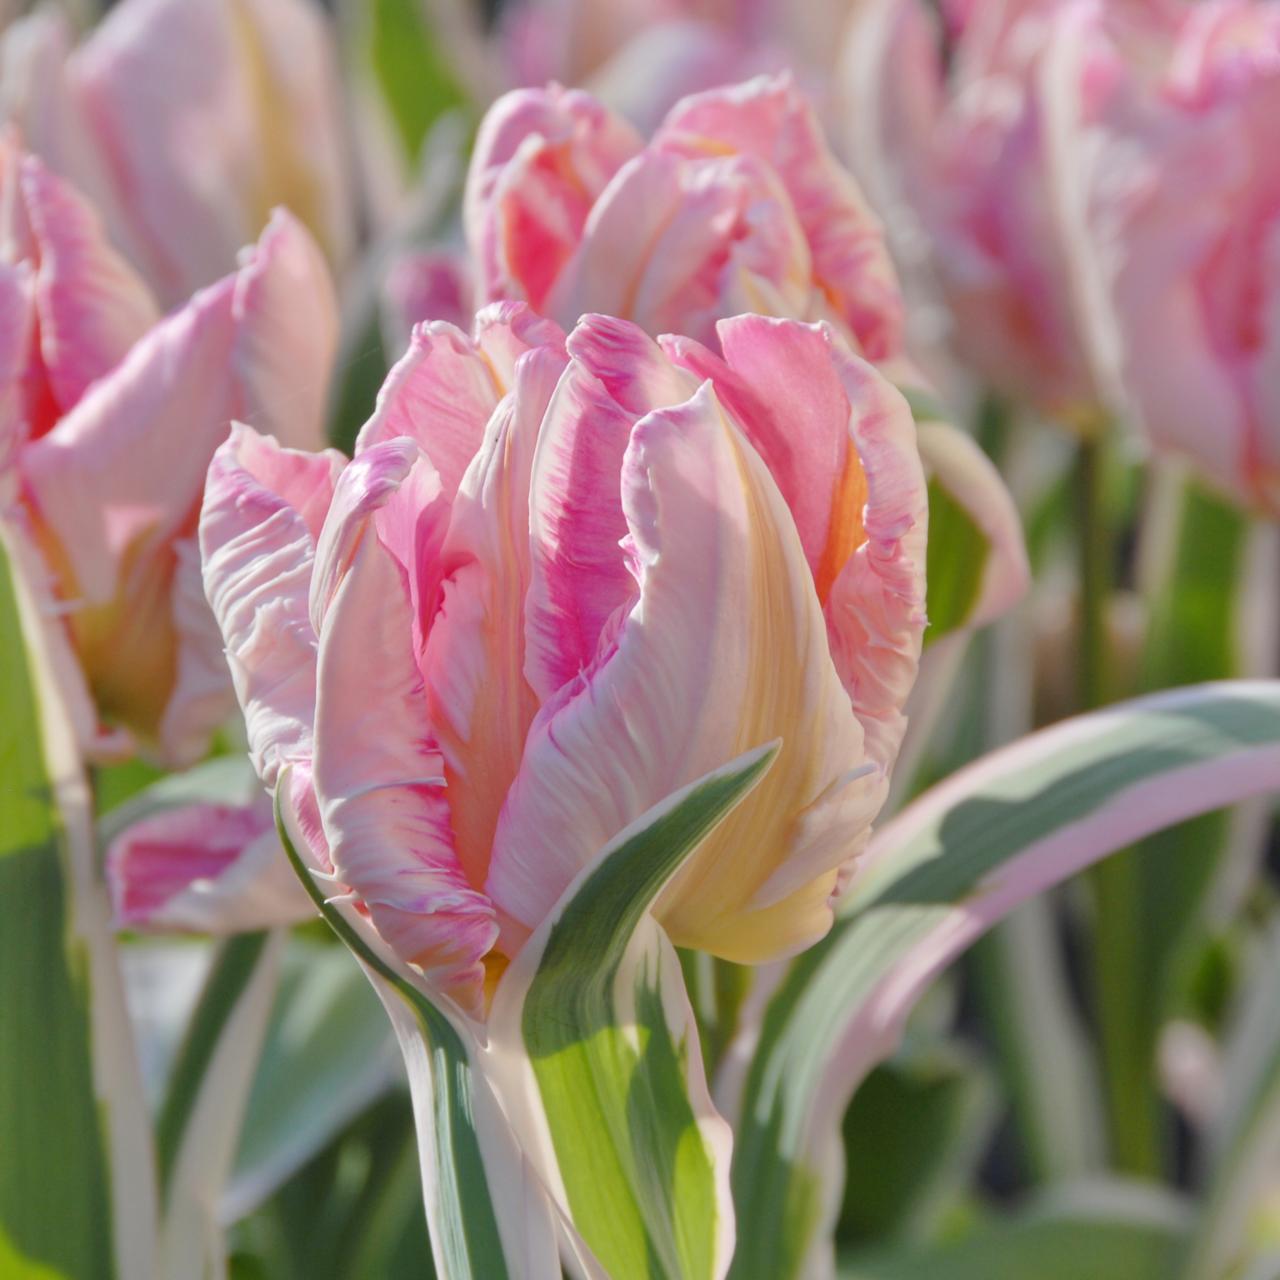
1244, 1148
204, 1107
934, 880
329, 1053
602, 1070
77, 1181
489, 1216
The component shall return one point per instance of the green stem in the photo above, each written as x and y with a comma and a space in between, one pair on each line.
1129, 1086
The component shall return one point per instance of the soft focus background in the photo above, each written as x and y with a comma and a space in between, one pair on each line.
1115, 355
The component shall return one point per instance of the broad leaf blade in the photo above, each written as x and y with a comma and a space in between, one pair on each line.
329, 1054
934, 880
77, 1190
595, 1026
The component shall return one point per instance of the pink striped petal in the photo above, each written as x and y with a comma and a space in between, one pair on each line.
263, 509
724, 650
769, 118
378, 774
541, 158
92, 307
579, 573
480, 702
204, 868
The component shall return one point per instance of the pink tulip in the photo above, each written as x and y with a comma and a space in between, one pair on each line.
108, 419
954, 155
736, 204
204, 868
559, 580
1174, 202
187, 122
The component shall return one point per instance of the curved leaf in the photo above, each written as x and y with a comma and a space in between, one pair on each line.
934, 880
594, 1031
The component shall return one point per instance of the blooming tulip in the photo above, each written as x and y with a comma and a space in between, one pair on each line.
186, 122
954, 156
736, 204
559, 580
109, 418
1173, 200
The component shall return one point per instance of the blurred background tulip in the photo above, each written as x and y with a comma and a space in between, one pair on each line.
107, 439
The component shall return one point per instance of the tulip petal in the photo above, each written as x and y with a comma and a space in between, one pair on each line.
576, 523
204, 868
286, 336
725, 649
769, 118
379, 777
440, 394
480, 702
541, 158
92, 306
253, 81
17, 322
841, 444
263, 509
203, 696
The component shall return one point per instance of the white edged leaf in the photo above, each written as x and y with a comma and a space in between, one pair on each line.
597, 1045
204, 1107
329, 1053
934, 880
77, 1178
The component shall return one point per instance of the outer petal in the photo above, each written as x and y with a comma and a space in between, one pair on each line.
769, 118
92, 306
726, 648
541, 159
286, 335
17, 317
377, 772
841, 444
480, 703
263, 509
253, 80
207, 868
440, 394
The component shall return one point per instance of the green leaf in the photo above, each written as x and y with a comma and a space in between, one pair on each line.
488, 1219
1244, 1142
933, 881
416, 75
914, 1133
1119, 1231
329, 1053
955, 563
203, 1110
593, 1021
77, 1191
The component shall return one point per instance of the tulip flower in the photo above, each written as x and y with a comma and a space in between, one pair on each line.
736, 204
559, 580
187, 122
1173, 205
108, 419
953, 151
